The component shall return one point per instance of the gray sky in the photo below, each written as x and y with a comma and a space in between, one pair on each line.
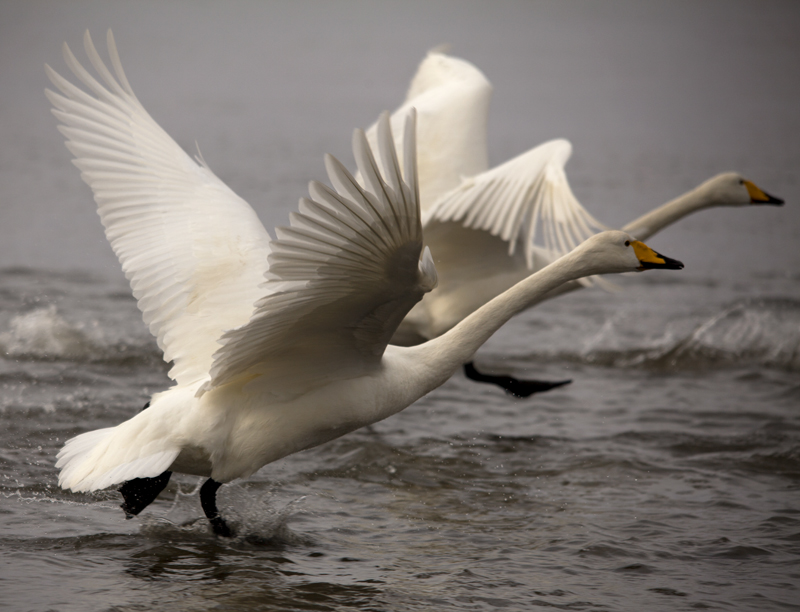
655, 97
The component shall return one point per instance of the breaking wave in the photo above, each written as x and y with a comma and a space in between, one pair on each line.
758, 332
44, 335
752, 332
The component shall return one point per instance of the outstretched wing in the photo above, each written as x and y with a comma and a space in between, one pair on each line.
527, 200
194, 252
520, 201
451, 97
341, 277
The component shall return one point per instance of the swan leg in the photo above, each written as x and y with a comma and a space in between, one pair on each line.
208, 499
513, 386
140, 492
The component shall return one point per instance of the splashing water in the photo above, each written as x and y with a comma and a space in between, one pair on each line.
44, 334
256, 518
764, 332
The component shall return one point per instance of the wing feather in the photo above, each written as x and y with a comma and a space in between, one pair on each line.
194, 252
525, 198
342, 276
451, 98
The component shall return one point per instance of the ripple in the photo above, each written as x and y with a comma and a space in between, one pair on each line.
742, 552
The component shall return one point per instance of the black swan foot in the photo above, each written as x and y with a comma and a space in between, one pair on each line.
140, 492
513, 386
208, 499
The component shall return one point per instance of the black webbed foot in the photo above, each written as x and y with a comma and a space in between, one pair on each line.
140, 493
513, 386
208, 500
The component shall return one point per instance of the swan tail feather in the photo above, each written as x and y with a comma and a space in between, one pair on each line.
104, 457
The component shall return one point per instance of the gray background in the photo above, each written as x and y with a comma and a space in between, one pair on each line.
655, 97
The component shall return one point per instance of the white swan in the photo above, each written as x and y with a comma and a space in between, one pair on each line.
303, 356
482, 225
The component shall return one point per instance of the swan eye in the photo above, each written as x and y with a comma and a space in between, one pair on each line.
627, 243
741, 181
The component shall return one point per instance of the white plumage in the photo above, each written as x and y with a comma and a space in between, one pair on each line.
477, 219
277, 346
193, 251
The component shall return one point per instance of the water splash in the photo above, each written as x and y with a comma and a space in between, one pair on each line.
763, 332
43, 334
255, 517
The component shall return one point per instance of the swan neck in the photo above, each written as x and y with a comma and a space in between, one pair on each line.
442, 356
667, 214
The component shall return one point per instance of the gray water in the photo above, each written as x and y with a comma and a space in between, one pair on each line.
665, 477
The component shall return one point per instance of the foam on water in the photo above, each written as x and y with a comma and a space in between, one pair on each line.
750, 332
43, 334
762, 332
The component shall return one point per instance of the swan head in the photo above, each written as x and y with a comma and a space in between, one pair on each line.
732, 189
615, 251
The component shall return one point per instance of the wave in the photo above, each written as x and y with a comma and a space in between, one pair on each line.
44, 335
751, 332
760, 332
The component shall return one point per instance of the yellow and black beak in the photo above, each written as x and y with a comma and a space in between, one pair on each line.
649, 259
758, 196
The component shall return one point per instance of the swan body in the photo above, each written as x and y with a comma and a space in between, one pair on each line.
489, 228
278, 345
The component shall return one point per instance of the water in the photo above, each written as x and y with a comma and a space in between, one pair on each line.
664, 478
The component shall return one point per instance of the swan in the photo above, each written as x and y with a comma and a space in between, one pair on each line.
482, 224
277, 345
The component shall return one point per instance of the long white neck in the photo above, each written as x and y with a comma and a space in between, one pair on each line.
667, 214
440, 357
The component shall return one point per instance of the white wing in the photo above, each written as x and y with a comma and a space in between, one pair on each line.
193, 251
341, 277
519, 201
526, 198
451, 97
